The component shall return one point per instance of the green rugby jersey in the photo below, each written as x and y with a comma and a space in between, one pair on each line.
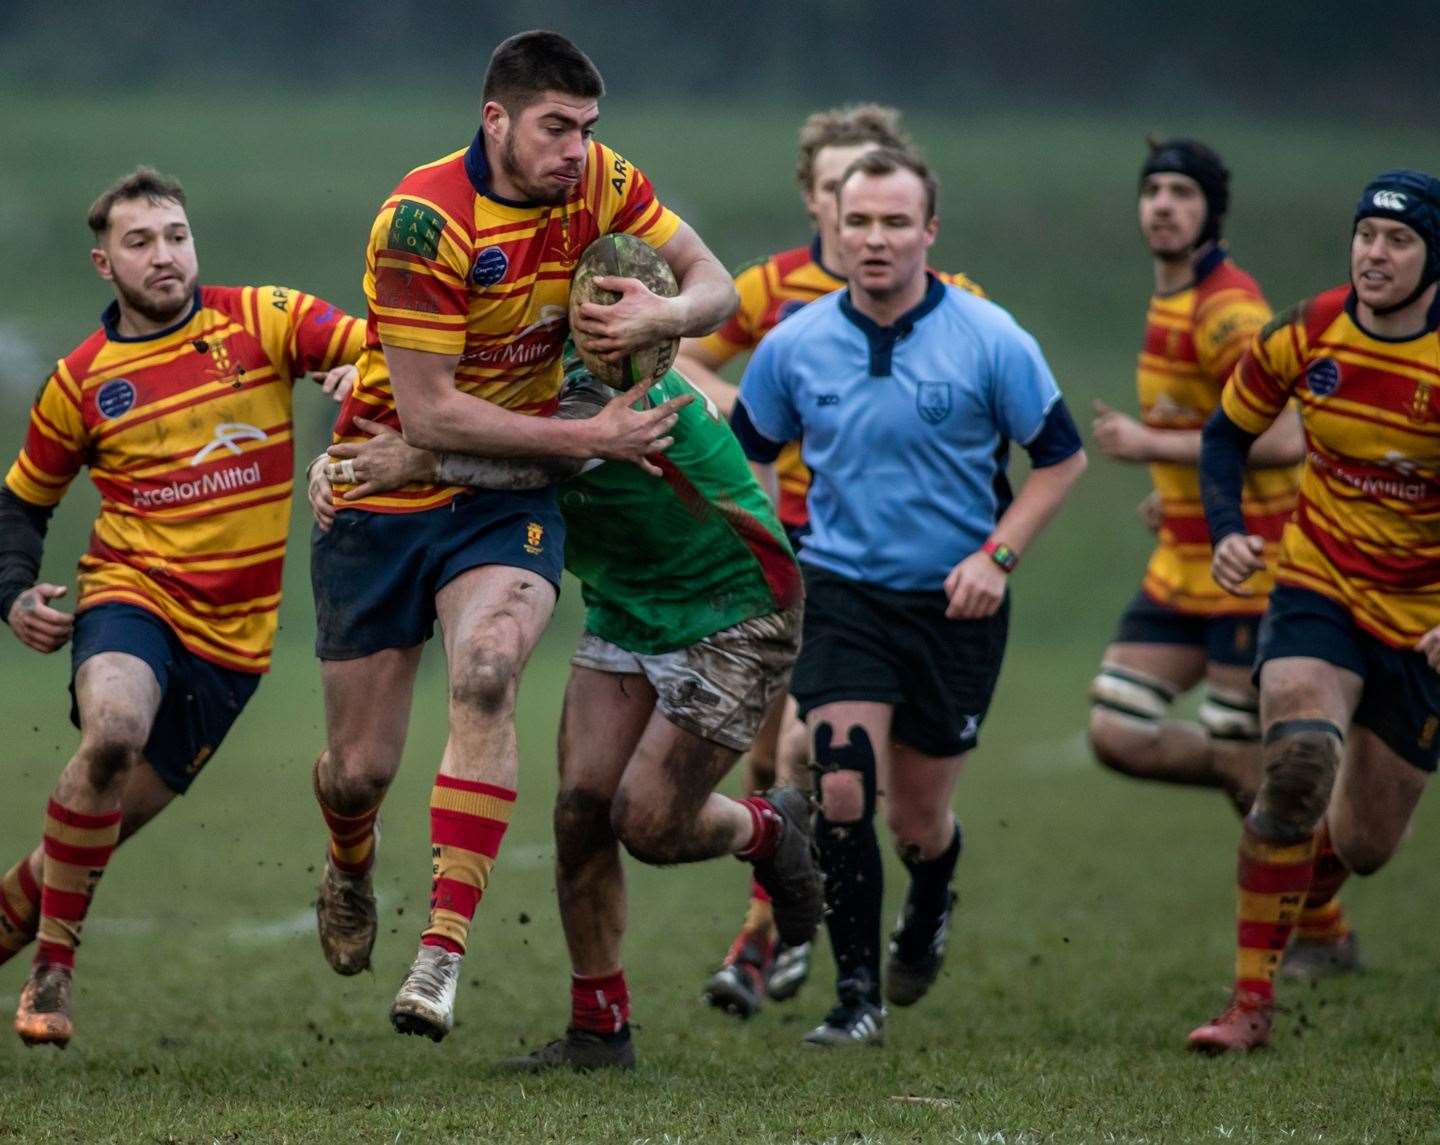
666, 561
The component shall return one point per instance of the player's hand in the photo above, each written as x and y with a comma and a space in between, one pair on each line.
383, 463
976, 588
1119, 435
620, 432
637, 319
35, 624
338, 382
1429, 647
320, 494
1150, 513
1236, 559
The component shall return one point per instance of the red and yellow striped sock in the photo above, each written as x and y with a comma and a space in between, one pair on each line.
1273, 880
77, 847
19, 909
467, 823
760, 917
352, 837
1323, 918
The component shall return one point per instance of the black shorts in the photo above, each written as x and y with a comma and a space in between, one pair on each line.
199, 701
1400, 701
375, 575
862, 642
1226, 639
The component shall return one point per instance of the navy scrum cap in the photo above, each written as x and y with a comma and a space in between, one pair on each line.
1412, 198
1194, 159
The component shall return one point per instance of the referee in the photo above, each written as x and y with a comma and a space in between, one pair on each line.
907, 393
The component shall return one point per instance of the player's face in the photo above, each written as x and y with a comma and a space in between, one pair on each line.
148, 255
1172, 214
829, 165
543, 148
1387, 259
884, 236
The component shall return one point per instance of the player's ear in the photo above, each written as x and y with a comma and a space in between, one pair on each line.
932, 229
101, 262
494, 119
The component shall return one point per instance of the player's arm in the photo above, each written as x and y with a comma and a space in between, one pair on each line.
976, 586
303, 334
1123, 438
1254, 397
641, 318
765, 415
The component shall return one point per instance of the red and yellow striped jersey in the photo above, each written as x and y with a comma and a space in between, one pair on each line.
187, 436
1193, 338
1366, 532
452, 269
770, 291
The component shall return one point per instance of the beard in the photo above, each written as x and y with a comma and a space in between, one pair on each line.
510, 164
156, 310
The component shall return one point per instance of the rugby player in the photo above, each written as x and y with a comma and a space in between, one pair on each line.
1350, 647
682, 653
180, 404
1181, 628
467, 279
907, 392
770, 291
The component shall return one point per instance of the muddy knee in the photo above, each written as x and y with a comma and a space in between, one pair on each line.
1301, 759
112, 744
484, 680
582, 827
651, 834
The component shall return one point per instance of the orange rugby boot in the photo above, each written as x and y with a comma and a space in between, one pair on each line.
43, 1017
1244, 1025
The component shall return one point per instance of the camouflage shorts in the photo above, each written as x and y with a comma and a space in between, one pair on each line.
719, 688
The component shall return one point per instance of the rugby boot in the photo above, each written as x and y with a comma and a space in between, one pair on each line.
426, 1001
346, 919
738, 987
791, 874
917, 951
1311, 959
43, 1017
855, 1020
788, 972
1244, 1025
579, 1050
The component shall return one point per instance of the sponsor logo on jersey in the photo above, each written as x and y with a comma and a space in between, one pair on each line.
1323, 377
415, 229
116, 396
540, 340
490, 266
227, 436
1388, 201
213, 483
933, 400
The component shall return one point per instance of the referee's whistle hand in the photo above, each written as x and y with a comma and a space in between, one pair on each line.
975, 588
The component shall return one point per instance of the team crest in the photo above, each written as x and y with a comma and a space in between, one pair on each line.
1323, 377
933, 401
1420, 402
489, 267
534, 534
117, 396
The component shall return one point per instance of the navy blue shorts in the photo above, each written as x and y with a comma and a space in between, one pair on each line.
198, 700
376, 575
1227, 640
1400, 701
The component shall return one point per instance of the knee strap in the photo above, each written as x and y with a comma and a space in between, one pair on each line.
1131, 694
1231, 716
858, 755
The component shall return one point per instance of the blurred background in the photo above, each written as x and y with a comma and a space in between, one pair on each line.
288, 124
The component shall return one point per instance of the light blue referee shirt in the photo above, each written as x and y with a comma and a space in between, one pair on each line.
906, 428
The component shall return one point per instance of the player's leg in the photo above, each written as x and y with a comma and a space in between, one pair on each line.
492, 616
365, 738
608, 703
1130, 698
790, 967
117, 696
143, 796
1306, 704
1230, 717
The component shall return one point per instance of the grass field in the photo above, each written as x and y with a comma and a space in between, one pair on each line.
1096, 919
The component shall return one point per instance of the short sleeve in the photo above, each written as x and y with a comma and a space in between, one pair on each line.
1264, 378
742, 329
766, 390
56, 443
628, 203
416, 279
1023, 388
303, 334
1224, 325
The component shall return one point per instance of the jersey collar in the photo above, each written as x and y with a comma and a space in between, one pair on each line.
882, 339
110, 320
1432, 319
477, 167
1208, 265
818, 261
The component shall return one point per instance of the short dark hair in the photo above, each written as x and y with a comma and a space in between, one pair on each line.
529, 64
142, 183
847, 126
887, 161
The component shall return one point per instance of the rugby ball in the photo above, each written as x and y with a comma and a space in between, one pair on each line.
622, 256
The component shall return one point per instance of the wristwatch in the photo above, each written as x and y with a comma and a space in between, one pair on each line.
1001, 553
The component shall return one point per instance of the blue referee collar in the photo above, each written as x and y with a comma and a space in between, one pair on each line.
110, 321
882, 339
477, 167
